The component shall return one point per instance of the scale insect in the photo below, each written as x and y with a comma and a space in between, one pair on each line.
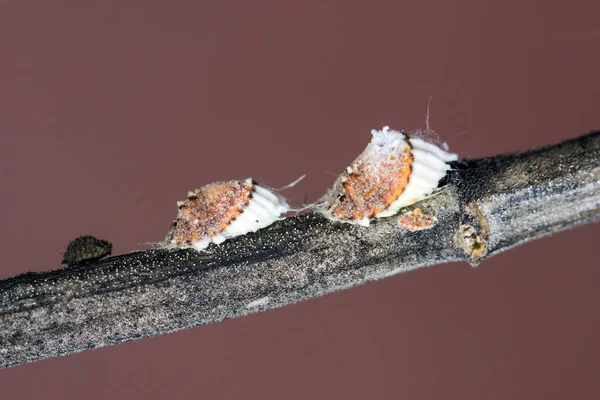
86, 249
394, 171
223, 210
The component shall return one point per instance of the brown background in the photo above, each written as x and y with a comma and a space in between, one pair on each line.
111, 111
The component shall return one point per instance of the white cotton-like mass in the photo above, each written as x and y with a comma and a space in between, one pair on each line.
429, 166
431, 148
202, 244
264, 208
385, 142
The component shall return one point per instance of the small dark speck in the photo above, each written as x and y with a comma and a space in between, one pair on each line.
256, 221
84, 249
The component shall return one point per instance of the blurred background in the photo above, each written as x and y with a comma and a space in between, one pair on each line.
111, 111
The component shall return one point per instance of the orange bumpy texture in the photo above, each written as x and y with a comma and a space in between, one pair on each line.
209, 211
371, 186
416, 220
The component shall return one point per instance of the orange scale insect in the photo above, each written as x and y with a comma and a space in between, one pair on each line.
223, 210
394, 171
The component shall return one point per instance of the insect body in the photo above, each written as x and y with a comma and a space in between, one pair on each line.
85, 249
394, 171
223, 210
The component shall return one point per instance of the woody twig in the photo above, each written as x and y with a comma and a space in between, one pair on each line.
485, 206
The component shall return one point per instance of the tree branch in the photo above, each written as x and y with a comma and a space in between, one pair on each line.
486, 206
